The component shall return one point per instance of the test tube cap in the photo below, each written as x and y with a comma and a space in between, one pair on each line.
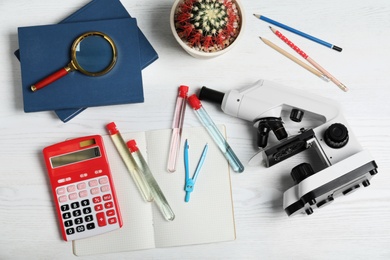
194, 102
111, 127
132, 145
183, 90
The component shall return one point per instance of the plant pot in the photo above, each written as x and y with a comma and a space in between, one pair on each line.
207, 28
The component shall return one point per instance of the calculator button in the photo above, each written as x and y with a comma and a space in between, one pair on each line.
105, 188
78, 221
103, 180
83, 194
75, 205
73, 196
61, 191
64, 207
93, 183
68, 223
88, 218
110, 213
76, 213
85, 202
87, 210
90, 226
108, 205
107, 197
80, 229
98, 207
111, 221
81, 186
101, 219
63, 199
70, 231
94, 191
97, 200
71, 188
66, 215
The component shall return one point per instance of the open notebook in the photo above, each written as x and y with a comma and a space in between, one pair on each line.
208, 217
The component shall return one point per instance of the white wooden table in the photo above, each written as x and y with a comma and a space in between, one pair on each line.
354, 227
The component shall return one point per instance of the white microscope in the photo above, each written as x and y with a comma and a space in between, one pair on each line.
346, 166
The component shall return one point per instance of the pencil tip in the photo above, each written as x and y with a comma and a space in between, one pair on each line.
257, 15
343, 87
272, 29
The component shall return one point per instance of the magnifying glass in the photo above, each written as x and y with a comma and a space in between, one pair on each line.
92, 53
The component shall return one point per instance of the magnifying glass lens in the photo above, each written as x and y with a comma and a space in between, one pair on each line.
94, 54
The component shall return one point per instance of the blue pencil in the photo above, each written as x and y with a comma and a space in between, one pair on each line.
305, 35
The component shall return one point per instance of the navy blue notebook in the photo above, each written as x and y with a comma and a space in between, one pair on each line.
45, 49
103, 10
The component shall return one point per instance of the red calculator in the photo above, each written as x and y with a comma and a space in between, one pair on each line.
82, 187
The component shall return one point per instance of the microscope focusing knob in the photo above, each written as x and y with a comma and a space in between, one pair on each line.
336, 136
301, 172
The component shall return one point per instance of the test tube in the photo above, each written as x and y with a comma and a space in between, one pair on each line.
217, 136
157, 194
128, 159
177, 125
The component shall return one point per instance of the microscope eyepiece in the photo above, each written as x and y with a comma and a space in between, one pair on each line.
211, 95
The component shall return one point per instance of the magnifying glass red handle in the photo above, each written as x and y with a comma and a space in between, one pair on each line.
50, 79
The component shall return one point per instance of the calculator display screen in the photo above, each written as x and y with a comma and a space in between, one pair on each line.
75, 157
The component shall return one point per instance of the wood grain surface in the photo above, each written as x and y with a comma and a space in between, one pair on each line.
353, 227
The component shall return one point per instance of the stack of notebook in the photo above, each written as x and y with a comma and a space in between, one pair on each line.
45, 49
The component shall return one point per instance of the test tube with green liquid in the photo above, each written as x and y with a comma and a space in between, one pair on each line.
214, 132
131, 165
157, 193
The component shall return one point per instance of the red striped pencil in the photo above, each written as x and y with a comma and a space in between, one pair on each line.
310, 60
